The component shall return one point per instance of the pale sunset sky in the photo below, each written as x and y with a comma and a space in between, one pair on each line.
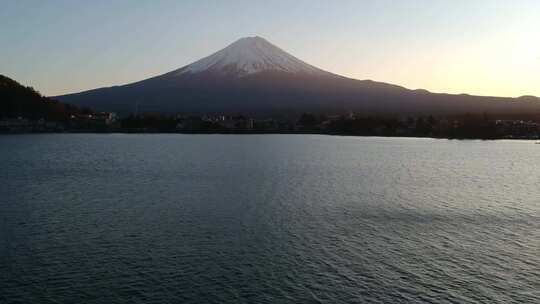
481, 47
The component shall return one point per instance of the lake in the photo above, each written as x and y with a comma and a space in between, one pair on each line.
169, 218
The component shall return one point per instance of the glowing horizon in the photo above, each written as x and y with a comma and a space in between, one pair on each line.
482, 48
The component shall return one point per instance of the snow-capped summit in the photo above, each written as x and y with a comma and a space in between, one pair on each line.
251, 55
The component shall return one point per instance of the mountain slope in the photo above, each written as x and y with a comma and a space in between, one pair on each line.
253, 76
17, 100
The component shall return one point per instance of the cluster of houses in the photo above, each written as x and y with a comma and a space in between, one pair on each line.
100, 120
79, 122
224, 122
518, 128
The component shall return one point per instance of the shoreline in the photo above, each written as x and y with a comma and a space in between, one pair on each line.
271, 133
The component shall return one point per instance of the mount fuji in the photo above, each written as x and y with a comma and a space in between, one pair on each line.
253, 76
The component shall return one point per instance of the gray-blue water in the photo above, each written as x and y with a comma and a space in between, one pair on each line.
267, 219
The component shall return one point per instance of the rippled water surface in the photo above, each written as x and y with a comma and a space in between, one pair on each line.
267, 219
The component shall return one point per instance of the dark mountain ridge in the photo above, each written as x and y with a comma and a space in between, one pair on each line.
17, 100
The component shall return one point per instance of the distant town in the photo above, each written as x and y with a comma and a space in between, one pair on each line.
460, 127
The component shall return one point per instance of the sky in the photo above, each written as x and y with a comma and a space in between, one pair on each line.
480, 47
